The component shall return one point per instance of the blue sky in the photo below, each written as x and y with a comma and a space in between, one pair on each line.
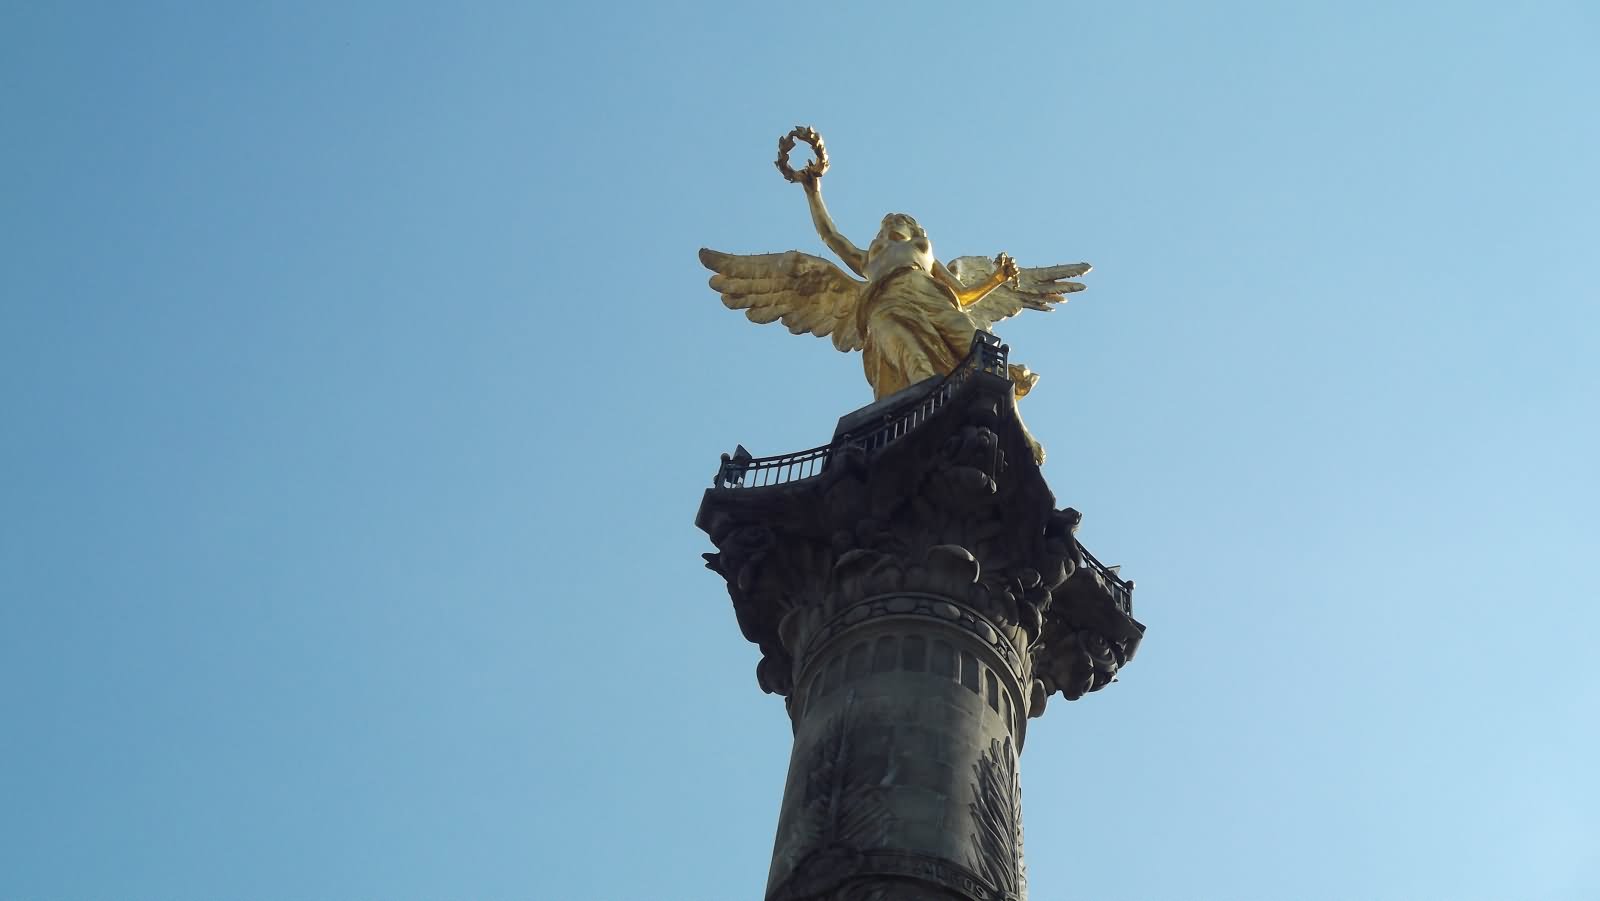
360, 384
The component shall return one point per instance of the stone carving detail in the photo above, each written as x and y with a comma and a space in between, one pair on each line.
841, 812
922, 605
1090, 632
997, 811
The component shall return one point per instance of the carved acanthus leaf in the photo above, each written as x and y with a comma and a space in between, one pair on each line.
997, 811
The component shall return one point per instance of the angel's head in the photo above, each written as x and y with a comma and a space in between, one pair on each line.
898, 230
900, 227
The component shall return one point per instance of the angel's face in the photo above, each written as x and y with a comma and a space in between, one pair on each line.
900, 227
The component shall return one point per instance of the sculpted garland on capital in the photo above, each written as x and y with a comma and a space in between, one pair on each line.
913, 318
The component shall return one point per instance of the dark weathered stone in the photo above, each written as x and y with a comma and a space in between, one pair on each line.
915, 603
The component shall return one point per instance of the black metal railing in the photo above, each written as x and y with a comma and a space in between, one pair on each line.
1121, 589
740, 470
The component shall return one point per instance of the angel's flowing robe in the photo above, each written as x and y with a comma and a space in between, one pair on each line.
913, 329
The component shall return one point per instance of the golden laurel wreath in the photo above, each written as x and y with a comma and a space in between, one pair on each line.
816, 167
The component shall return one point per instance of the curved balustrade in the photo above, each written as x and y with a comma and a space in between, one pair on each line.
740, 470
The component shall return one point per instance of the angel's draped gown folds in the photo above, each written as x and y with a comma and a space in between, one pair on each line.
913, 330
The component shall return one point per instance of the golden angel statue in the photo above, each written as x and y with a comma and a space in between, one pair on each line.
913, 318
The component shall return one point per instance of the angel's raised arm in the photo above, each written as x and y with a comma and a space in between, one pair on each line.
853, 256
967, 295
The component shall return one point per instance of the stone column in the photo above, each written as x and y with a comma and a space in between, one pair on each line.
916, 598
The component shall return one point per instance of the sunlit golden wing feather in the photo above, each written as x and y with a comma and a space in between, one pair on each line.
808, 294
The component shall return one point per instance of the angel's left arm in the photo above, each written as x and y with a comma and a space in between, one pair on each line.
967, 296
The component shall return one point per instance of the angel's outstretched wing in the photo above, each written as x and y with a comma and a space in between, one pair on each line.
1036, 289
808, 293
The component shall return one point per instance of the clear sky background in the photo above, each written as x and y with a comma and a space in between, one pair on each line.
359, 385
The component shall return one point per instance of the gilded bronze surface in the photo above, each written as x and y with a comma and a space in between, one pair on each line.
913, 317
